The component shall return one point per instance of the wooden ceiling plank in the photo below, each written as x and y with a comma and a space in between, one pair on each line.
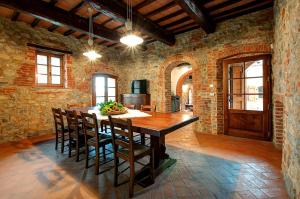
198, 13
222, 5
15, 16
78, 7
143, 4
244, 12
118, 8
59, 17
179, 12
177, 22
161, 9
239, 8
69, 32
35, 22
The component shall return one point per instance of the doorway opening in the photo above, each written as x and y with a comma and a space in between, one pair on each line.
247, 94
182, 88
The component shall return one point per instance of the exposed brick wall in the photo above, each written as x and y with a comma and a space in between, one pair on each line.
25, 108
286, 100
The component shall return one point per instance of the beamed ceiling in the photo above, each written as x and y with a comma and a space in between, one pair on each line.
156, 20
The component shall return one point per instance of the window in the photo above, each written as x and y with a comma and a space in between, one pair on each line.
49, 69
245, 85
105, 88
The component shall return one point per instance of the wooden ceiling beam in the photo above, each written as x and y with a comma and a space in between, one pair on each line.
256, 3
78, 7
15, 16
35, 22
179, 12
222, 5
143, 4
161, 9
146, 26
59, 17
244, 12
196, 11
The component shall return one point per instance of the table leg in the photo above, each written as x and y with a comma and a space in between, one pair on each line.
158, 143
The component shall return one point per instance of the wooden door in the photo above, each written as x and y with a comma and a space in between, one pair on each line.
247, 97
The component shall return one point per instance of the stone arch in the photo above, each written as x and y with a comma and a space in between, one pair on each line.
181, 81
164, 77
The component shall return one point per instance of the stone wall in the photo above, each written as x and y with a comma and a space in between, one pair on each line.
244, 35
26, 108
286, 73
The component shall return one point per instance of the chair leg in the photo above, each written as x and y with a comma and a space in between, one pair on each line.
116, 170
70, 146
142, 139
131, 181
103, 151
97, 161
86, 156
77, 150
56, 140
63, 142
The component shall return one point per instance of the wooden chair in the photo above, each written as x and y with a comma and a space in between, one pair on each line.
126, 149
146, 108
94, 138
76, 136
130, 106
61, 132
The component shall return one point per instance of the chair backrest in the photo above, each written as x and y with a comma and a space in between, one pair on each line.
130, 106
148, 108
73, 124
122, 136
90, 126
58, 119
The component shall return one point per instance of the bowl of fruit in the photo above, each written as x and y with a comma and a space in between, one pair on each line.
112, 108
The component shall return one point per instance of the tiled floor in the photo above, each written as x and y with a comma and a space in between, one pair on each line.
208, 167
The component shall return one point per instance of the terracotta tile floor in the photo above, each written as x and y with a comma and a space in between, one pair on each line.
208, 167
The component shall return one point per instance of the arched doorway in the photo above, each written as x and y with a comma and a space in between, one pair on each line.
184, 89
165, 78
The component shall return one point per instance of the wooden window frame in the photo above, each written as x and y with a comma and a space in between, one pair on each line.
106, 76
49, 70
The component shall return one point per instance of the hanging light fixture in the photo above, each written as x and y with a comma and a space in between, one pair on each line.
130, 39
91, 53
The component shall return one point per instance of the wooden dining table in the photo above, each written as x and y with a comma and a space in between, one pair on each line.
157, 125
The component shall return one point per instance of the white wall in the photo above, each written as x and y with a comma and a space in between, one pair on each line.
176, 74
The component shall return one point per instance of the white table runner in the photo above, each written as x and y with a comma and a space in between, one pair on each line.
130, 114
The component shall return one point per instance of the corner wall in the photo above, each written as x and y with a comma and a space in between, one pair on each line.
286, 77
25, 109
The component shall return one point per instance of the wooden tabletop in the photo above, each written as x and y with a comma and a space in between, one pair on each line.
158, 124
